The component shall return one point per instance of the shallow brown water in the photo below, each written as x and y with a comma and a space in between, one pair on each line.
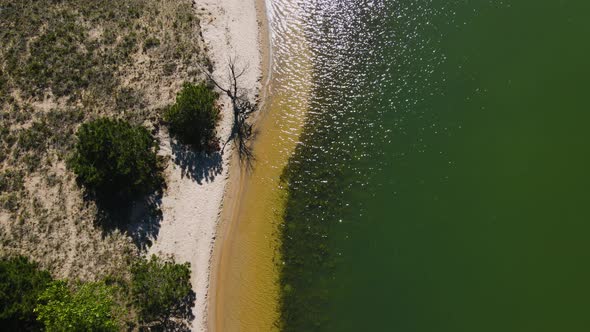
248, 289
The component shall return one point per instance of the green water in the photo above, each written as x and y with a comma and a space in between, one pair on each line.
442, 180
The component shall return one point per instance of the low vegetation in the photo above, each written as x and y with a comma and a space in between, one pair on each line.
87, 42
114, 159
64, 64
31, 300
21, 284
194, 116
68, 69
161, 289
84, 307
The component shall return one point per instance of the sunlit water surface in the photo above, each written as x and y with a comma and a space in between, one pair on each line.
441, 183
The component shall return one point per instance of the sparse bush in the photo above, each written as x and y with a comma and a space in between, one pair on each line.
169, 69
150, 43
3, 88
112, 157
62, 124
89, 307
194, 116
3, 132
9, 201
21, 283
11, 181
34, 138
48, 47
159, 288
56, 61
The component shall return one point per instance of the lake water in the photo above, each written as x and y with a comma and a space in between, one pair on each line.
441, 182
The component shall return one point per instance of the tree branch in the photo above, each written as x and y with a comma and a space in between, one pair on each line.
242, 108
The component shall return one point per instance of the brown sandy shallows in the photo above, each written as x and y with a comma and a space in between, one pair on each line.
246, 269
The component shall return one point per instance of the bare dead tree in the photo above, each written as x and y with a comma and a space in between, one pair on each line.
242, 109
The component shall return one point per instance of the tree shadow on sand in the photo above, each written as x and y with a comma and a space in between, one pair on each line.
198, 166
139, 218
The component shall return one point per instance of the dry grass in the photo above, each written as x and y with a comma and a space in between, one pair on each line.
63, 63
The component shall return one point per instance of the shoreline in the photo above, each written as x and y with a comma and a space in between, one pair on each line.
237, 176
246, 256
192, 225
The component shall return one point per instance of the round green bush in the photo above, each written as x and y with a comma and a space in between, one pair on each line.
114, 159
194, 116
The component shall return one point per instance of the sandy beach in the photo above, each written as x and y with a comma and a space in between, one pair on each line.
193, 201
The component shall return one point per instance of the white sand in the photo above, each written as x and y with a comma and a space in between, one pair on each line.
191, 210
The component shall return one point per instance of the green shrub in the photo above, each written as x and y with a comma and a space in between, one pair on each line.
112, 157
194, 116
159, 288
21, 283
89, 307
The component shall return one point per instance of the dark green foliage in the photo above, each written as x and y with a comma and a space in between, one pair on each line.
112, 157
194, 116
88, 307
21, 282
159, 288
